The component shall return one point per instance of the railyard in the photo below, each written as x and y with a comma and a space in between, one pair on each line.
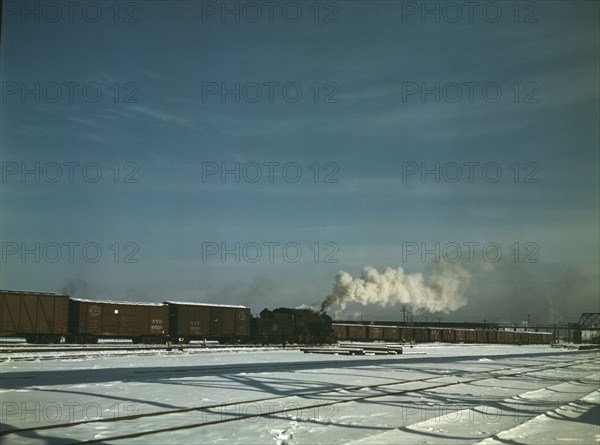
442, 393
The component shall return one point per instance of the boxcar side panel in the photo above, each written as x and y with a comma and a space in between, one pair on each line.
33, 314
421, 335
115, 320
435, 334
391, 333
209, 322
357, 332
340, 331
374, 332
193, 322
407, 334
449, 335
242, 324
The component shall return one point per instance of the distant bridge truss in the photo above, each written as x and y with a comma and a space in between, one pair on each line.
589, 321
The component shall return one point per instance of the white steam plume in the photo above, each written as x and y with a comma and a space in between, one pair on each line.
444, 291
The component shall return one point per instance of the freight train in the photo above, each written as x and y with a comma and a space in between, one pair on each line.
404, 334
52, 318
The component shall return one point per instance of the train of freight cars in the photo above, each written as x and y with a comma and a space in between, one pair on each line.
362, 332
52, 318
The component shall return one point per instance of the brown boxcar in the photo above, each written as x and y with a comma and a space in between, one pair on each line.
340, 331
547, 337
539, 338
140, 322
449, 335
470, 336
357, 332
434, 334
482, 336
407, 334
492, 336
532, 338
391, 333
507, 337
421, 335
39, 317
459, 335
374, 332
203, 321
520, 337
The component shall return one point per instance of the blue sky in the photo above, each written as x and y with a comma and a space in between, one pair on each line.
360, 133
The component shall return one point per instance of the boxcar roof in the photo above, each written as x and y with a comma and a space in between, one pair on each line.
24, 292
187, 303
127, 303
348, 324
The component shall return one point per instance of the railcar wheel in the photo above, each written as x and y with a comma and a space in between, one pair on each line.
30, 339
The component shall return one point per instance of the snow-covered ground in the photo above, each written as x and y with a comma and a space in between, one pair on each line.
488, 394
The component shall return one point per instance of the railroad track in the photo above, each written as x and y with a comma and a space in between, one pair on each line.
69, 354
341, 395
76, 348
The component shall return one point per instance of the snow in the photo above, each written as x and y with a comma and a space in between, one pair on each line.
139, 303
117, 302
442, 394
187, 303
